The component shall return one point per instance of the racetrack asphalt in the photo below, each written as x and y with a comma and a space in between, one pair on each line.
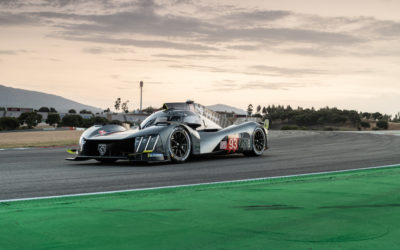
45, 172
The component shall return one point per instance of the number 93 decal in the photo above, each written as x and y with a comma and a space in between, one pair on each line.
233, 143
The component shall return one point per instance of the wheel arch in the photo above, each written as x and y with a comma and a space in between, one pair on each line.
174, 156
253, 152
194, 138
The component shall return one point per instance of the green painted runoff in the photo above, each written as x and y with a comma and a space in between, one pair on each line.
352, 210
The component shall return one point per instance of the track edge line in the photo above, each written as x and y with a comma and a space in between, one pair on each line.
196, 184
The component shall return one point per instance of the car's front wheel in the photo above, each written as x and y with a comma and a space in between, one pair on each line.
179, 145
259, 142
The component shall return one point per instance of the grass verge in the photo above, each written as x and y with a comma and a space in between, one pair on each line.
352, 210
39, 139
40, 144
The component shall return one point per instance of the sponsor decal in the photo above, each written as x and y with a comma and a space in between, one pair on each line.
222, 145
155, 155
102, 132
102, 148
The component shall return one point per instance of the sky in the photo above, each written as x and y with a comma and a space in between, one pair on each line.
309, 53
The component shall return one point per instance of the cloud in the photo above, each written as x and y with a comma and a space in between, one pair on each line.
102, 50
274, 85
388, 29
11, 3
10, 19
152, 24
140, 43
161, 24
256, 15
64, 3
282, 35
15, 52
193, 56
146, 23
258, 70
273, 71
94, 50
245, 47
315, 51
55, 60
129, 84
225, 86
60, 4
202, 68
288, 71
8, 52
129, 60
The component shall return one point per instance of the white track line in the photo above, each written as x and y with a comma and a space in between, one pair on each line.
198, 184
3, 149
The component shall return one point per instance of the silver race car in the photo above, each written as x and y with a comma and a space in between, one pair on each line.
174, 134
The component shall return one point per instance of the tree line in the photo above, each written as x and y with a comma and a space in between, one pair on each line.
72, 119
31, 119
302, 117
295, 118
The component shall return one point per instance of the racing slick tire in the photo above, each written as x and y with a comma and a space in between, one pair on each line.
259, 142
179, 145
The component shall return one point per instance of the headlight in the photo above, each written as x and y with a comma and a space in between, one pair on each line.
82, 142
138, 141
146, 143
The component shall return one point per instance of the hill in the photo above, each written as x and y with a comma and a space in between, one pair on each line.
226, 108
20, 98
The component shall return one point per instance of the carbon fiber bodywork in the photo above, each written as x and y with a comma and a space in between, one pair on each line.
151, 142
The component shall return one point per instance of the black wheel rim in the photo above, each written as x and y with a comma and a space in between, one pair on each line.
259, 141
179, 144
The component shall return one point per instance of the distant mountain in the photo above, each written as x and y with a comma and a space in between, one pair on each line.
226, 108
20, 98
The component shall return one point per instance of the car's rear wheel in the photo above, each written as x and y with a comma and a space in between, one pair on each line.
179, 145
259, 141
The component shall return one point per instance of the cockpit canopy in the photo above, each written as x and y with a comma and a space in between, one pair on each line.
184, 116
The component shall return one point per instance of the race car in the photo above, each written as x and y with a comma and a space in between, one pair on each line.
175, 133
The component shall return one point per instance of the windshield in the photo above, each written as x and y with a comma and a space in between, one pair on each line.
166, 116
